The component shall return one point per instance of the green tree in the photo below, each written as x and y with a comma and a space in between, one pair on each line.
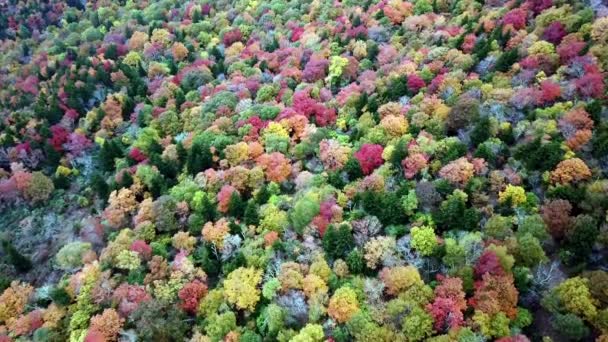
13, 257
251, 216
236, 205
418, 325
529, 251
506, 60
424, 240
338, 242
199, 157
454, 214
303, 212
571, 326
110, 150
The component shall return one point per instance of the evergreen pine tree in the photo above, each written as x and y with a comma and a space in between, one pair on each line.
199, 158
110, 150
111, 52
338, 242
251, 213
99, 185
197, 16
208, 209
506, 60
262, 195
481, 131
13, 257
355, 261
236, 205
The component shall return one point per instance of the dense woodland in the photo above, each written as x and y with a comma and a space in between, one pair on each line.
306, 171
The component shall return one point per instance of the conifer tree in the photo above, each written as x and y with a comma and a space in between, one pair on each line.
236, 205
13, 257
338, 242
251, 216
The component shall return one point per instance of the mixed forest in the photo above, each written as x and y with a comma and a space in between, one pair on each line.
303, 170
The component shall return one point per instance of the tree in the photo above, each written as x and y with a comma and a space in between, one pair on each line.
216, 233
418, 325
529, 251
495, 294
224, 197
369, 157
333, 154
338, 242
489, 263
458, 172
343, 305
449, 303
492, 325
399, 279
575, 296
39, 187
108, 324
454, 214
598, 281
219, 325
251, 213
275, 165
506, 60
157, 320
424, 240
415, 82
310, 333
570, 171
513, 195
13, 300
465, 111
70, 255
581, 237
383, 205
241, 288
557, 217
571, 326
164, 212
13, 257
315, 69
539, 155
303, 212
199, 157
191, 294
555, 32
499, 227
533, 225
482, 130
